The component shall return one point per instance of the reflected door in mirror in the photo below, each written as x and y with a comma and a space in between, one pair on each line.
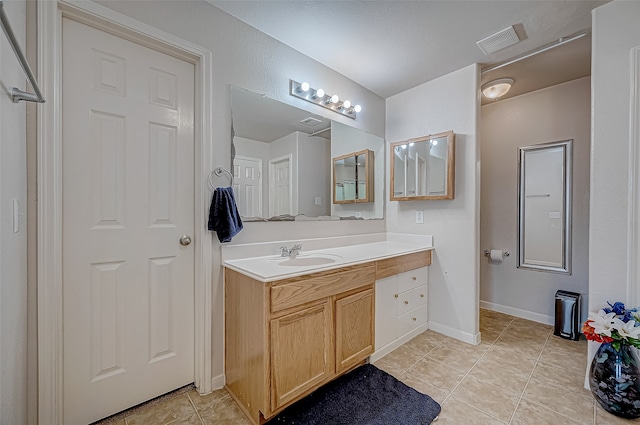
247, 185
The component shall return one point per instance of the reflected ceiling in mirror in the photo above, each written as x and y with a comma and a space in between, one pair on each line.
282, 161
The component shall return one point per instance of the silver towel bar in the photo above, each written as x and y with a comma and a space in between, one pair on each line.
16, 94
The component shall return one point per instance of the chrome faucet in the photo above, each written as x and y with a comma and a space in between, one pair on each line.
290, 252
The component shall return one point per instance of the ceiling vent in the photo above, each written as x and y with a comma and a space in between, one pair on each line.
498, 41
311, 122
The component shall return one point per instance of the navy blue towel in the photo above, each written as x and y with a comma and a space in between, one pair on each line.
223, 214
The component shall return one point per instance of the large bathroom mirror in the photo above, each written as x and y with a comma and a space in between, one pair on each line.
544, 207
423, 168
283, 167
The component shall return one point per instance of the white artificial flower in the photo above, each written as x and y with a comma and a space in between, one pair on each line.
629, 330
603, 323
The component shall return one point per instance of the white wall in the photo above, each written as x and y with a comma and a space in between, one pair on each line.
244, 57
447, 103
615, 33
314, 160
13, 246
553, 114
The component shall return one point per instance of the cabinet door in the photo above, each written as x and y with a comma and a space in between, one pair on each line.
354, 329
386, 300
301, 353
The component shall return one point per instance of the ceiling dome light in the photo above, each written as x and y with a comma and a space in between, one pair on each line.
497, 88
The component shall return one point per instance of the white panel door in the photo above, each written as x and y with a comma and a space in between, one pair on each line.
128, 182
280, 187
247, 185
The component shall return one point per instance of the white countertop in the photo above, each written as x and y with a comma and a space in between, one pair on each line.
269, 268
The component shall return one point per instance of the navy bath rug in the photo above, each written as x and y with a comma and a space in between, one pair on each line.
364, 396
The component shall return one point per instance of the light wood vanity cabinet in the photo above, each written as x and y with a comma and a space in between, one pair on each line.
286, 338
301, 353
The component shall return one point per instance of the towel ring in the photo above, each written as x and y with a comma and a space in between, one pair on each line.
218, 171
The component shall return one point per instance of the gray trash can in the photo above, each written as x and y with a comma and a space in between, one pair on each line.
567, 324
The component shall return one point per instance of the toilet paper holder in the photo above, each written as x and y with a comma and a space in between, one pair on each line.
487, 252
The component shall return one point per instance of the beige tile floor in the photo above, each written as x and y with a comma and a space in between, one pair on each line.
521, 374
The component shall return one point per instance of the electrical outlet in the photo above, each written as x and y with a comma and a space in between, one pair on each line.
420, 217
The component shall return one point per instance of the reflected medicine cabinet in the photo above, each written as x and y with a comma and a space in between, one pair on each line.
423, 168
353, 177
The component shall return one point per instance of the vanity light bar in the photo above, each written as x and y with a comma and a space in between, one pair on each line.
318, 97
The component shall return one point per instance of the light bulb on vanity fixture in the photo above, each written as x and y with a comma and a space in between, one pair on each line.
304, 91
497, 88
303, 88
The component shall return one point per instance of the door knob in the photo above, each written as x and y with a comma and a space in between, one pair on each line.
185, 240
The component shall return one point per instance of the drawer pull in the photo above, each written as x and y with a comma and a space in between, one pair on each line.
396, 295
414, 319
406, 302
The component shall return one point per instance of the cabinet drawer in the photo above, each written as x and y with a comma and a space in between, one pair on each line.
309, 288
411, 299
411, 320
412, 279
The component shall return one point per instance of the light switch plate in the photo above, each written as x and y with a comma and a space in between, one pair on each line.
318, 200
420, 217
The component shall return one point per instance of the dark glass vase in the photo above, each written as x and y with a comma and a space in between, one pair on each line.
615, 380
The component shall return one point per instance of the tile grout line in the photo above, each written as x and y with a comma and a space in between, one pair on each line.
474, 365
195, 409
546, 342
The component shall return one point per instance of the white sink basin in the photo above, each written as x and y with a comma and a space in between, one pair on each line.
310, 260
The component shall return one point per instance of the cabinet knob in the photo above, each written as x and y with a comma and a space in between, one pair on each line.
406, 302
396, 295
414, 319
414, 278
421, 295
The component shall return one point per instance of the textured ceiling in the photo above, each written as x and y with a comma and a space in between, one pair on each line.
391, 46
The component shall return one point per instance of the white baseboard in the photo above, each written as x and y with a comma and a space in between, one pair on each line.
218, 382
455, 333
523, 314
383, 351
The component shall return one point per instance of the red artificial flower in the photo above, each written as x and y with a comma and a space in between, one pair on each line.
589, 333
